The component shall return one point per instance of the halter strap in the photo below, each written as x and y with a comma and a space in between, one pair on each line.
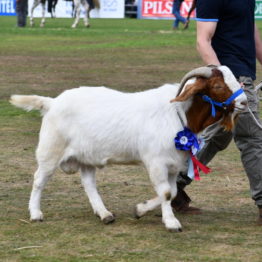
221, 104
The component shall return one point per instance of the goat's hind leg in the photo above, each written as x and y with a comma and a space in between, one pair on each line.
41, 177
49, 152
89, 183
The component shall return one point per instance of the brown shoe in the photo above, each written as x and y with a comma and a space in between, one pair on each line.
259, 220
189, 210
181, 204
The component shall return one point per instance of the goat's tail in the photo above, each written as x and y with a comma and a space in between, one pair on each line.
32, 102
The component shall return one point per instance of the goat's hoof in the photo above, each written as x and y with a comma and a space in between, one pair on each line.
36, 220
173, 225
136, 213
139, 211
109, 219
175, 230
37, 216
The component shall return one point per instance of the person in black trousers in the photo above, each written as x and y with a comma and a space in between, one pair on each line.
21, 12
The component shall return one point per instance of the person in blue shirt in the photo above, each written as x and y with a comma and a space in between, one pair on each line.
176, 12
227, 35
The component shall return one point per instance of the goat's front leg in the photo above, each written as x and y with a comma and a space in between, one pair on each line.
142, 208
89, 183
149, 205
160, 179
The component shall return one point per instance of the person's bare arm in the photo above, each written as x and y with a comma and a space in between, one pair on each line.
191, 9
258, 42
205, 32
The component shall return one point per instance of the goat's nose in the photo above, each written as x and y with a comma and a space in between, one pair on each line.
244, 103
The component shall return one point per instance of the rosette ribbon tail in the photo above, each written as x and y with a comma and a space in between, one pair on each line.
198, 165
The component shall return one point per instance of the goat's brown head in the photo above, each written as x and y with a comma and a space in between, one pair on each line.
210, 84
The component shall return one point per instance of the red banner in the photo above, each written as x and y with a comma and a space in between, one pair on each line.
162, 8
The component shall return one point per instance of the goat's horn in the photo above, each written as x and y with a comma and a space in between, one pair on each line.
204, 71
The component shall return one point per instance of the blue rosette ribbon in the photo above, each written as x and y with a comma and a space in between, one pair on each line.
186, 140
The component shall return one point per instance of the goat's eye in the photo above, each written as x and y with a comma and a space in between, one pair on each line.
217, 87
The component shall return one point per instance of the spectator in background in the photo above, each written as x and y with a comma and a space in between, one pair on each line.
21, 12
176, 12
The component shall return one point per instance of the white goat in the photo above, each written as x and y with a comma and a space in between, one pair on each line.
91, 127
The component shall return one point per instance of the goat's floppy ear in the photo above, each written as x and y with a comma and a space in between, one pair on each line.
190, 90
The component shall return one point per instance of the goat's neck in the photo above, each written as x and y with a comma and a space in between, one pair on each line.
199, 115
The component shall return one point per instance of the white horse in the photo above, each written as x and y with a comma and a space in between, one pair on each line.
88, 5
50, 8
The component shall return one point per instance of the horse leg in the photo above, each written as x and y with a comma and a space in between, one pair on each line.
87, 11
78, 9
35, 4
42, 24
54, 3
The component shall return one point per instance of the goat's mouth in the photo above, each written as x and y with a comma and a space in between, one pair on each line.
240, 108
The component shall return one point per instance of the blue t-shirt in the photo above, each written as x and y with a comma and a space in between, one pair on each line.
233, 40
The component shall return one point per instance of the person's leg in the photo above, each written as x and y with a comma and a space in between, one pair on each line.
248, 138
24, 11
176, 21
176, 13
19, 13
179, 18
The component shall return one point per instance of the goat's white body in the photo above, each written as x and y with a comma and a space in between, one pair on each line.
101, 126
91, 127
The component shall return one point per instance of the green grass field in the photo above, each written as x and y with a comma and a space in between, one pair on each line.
128, 55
